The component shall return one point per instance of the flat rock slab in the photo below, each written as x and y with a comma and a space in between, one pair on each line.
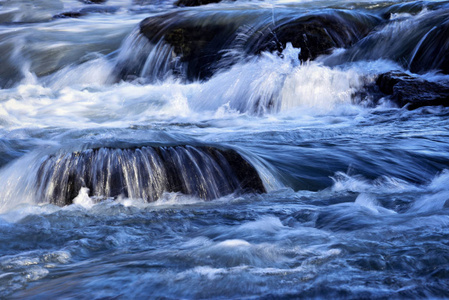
413, 92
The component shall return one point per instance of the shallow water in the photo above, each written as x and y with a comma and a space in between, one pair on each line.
357, 190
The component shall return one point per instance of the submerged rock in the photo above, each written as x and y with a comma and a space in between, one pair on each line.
195, 2
412, 8
93, 1
88, 10
69, 14
201, 40
412, 92
196, 44
146, 173
320, 33
433, 50
420, 43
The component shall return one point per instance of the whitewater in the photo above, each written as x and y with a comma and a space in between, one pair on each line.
153, 149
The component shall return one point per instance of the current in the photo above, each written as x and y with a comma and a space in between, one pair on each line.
151, 149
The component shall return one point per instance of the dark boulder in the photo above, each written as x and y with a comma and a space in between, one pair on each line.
412, 92
146, 173
69, 14
433, 51
421, 45
93, 1
197, 44
200, 40
319, 34
88, 10
412, 8
195, 2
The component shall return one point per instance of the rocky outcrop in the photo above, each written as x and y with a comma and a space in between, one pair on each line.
412, 92
146, 173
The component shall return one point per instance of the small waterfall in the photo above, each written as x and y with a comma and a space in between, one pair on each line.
140, 58
142, 173
432, 50
418, 42
161, 63
196, 44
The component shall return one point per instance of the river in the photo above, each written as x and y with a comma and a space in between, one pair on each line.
135, 162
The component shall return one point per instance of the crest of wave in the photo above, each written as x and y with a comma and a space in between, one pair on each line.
275, 83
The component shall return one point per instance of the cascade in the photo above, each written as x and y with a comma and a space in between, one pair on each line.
146, 173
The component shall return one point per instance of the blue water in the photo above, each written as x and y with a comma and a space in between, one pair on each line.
357, 201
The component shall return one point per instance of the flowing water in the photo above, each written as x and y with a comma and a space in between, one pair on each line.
129, 171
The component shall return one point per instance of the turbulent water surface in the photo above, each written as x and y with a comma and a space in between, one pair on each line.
230, 150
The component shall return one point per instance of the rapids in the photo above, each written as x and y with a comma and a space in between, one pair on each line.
235, 150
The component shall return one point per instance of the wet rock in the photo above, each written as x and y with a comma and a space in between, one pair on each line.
198, 45
433, 51
69, 14
201, 39
419, 46
412, 8
88, 10
195, 2
93, 1
100, 9
243, 170
413, 92
320, 34
146, 173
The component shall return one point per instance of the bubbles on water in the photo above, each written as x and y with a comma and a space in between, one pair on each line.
36, 273
61, 257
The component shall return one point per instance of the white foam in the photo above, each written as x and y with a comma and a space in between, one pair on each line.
36, 273
370, 202
83, 199
233, 243
81, 96
322, 88
438, 196
266, 224
357, 183
209, 272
